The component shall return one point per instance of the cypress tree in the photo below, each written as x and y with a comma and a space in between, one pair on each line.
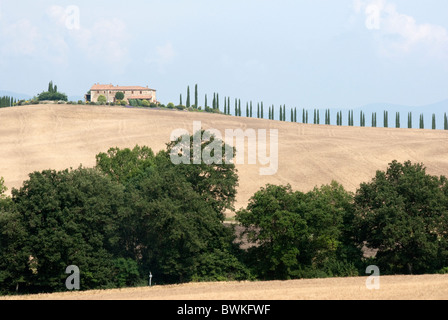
196, 101
188, 97
445, 121
247, 109
295, 114
258, 110
433, 121
303, 115
236, 107
214, 101
292, 115
422, 122
180, 99
397, 120
306, 116
217, 101
409, 120
262, 110
205, 101
239, 107
250, 109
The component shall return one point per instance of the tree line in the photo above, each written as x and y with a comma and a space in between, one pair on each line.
7, 101
135, 212
280, 113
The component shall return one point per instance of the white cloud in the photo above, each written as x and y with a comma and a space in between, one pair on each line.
398, 33
164, 55
20, 38
105, 41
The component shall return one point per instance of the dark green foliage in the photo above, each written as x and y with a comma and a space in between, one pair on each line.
422, 122
52, 94
386, 119
196, 100
410, 120
445, 121
6, 101
119, 96
63, 218
397, 120
403, 212
123, 164
296, 231
433, 122
188, 97
374, 122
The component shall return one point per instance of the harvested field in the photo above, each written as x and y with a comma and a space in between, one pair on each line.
425, 287
61, 136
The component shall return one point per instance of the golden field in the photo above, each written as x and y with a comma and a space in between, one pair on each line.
61, 136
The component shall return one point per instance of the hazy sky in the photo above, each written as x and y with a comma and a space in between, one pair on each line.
304, 53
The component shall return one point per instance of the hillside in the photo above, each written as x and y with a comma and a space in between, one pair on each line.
61, 136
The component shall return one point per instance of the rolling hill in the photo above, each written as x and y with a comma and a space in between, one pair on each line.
61, 136
39, 137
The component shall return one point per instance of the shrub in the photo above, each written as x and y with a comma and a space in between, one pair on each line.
102, 99
80, 102
170, 105
145, 103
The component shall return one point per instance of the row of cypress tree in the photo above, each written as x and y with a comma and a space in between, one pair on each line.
293, 113
7, 101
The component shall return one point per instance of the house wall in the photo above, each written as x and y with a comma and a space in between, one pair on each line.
110, 94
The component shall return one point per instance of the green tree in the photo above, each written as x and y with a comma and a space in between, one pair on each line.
403, 213
299, 234
188, 97
69, 217
102, 99
196, 100
119, 96
123, 164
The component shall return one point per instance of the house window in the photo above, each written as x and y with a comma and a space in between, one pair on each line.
141, 92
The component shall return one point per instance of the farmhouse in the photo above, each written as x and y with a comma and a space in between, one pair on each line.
130, 92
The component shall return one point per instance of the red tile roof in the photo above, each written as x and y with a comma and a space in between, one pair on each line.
103, 87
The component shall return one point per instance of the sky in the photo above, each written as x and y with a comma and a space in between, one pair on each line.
302, 53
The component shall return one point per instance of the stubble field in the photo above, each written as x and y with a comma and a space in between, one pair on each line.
62, 136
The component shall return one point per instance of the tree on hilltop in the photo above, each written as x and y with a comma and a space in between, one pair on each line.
52, 94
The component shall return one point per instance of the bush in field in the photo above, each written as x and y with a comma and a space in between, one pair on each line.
145, 103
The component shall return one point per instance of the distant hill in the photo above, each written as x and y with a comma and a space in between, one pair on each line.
15, 95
